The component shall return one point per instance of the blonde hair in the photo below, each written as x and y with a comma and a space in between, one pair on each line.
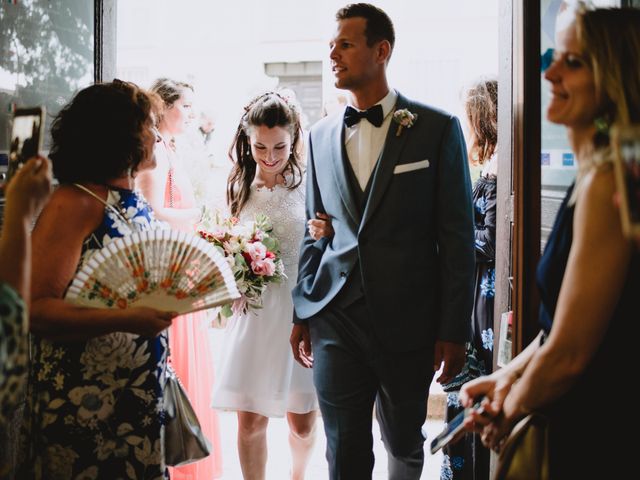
610, 39
169, 92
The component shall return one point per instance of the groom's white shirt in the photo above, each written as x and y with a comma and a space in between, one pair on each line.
364, 142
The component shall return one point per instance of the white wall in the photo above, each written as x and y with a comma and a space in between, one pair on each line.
221, 47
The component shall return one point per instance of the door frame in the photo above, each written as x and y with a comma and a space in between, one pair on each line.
518, 208
104, 51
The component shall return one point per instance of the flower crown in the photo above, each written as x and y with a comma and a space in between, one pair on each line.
289, 101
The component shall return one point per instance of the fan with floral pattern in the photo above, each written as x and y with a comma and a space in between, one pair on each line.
163, 269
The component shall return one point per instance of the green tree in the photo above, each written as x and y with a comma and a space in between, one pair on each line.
47, 45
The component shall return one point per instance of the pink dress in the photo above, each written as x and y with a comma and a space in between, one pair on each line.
191, 358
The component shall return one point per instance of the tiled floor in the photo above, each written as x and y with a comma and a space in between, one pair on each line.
279, 457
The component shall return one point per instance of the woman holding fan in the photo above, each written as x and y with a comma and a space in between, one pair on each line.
97, 375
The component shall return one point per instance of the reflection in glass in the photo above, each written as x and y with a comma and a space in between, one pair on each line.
46, 54
557, 161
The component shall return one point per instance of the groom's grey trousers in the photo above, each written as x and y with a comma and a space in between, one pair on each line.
351, 370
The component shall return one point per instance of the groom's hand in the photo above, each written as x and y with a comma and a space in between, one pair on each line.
452, 355
300, 341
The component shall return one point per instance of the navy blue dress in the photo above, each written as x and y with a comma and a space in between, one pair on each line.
587, 424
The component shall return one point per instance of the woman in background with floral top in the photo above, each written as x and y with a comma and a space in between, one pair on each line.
95, 389
258, 377
468, 459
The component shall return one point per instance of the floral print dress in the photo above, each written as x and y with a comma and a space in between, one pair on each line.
14, 357
468, 459
94, 408
13, 350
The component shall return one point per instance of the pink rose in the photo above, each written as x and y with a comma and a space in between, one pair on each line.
264, 268
256, 250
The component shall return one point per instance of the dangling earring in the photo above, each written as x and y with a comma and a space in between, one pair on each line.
602, 124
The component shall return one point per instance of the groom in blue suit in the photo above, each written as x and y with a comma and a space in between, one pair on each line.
387, 300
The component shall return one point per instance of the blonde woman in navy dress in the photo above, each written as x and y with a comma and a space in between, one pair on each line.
589, 274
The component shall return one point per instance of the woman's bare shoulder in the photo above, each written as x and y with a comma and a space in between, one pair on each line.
597, 219
71, 206
598, 188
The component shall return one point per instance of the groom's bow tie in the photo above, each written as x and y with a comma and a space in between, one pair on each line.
374, 115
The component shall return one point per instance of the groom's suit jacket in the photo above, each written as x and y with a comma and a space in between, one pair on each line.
411, 242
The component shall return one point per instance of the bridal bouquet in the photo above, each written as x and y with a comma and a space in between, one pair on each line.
253, 254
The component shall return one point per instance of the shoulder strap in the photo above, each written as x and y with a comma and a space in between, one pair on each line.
108, 205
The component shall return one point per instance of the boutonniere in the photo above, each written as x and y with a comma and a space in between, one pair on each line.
404, 118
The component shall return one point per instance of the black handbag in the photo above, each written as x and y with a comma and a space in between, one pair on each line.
184, 441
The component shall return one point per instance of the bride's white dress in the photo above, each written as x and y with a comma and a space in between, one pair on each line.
257, 372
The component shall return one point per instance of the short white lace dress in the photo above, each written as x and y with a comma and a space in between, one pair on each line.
257, 372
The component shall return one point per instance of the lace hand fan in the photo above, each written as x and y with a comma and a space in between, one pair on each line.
163, 269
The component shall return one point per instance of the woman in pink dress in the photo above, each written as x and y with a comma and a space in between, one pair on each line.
168, 189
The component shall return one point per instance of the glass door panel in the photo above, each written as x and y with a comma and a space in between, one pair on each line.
557, 162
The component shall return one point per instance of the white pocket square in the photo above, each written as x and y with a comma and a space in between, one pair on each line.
408, 167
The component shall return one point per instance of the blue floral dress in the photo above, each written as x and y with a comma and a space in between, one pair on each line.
94, 408
484, 203
468, 459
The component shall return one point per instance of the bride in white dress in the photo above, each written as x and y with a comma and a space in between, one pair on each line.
257, 375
